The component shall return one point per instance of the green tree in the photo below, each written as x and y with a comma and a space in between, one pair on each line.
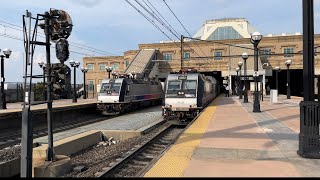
38, 90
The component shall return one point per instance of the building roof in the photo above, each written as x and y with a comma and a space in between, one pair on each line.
225, 28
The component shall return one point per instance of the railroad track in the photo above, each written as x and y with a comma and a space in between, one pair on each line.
137, 161
9, 139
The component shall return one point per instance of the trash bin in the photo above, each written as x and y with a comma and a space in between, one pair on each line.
273, 96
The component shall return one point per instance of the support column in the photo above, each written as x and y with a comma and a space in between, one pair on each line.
309, 139
50, 153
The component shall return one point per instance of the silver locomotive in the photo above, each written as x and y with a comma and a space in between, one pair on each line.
186, 94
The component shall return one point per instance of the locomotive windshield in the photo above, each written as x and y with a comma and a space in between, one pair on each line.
187, 86
174, 85
190, 85
113, 87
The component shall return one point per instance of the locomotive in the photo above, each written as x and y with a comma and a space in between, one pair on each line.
186, 94
125, 94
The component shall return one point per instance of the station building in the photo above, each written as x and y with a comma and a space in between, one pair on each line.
217, 53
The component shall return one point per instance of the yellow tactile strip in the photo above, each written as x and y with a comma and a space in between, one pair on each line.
177, 158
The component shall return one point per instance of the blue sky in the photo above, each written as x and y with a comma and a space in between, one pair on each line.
114, 26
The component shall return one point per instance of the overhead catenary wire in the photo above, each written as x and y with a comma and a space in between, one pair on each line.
167, 23
152, 22
78, 45
160, 22
158, 19
20, 39
160, 15
7, 35
183, 26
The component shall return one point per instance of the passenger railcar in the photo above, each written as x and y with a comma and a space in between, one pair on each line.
125, 94
187, 94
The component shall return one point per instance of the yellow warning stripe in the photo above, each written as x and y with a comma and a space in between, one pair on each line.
176, 160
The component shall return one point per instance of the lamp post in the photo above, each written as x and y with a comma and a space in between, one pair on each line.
245, 57
277, 78
3, 103
109, 69
114, 75
256, 37
74, 65
229, 78
240, 64
84, 70
288, 64
309, 121
42, 65
134, 74
237, 83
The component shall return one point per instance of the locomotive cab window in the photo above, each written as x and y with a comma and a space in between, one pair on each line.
174, 85
190, 85
113, 87
105, 87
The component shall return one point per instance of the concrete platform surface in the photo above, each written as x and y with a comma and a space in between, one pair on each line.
229, 140
133, 121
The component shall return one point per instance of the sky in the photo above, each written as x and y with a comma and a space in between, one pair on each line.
114, 27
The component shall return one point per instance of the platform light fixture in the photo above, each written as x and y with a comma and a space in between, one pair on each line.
134, 74
245, 57
256, 37
278, 69
84, 70
237, 70
288, 64
6, 54
240, 64
109, 70
75, 65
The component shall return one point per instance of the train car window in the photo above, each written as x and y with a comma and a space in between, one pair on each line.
105, 87
114, 87
190, 85
174, 85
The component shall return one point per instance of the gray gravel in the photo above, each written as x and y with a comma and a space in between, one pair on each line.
96, 158
10, 153
131, 121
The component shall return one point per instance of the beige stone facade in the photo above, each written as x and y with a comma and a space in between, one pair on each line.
97, 68
206, 59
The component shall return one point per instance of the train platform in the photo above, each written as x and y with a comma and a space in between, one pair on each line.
17, 107
229, 140
63, 111
135, 121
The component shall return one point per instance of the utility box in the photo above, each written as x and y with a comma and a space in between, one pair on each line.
27, 97
273, 96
